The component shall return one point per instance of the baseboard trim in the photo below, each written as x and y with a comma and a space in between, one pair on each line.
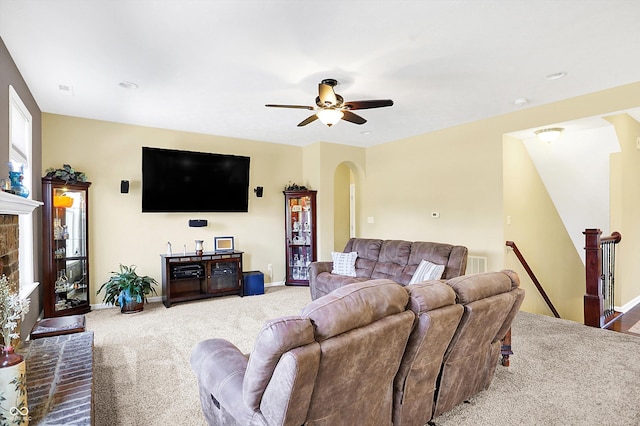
627, 306
159, 298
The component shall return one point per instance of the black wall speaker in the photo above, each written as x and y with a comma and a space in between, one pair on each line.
124, 186
198, 223
258, 191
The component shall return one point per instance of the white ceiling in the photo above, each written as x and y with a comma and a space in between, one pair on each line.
211, 66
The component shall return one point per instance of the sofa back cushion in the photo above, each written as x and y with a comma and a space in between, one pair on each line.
353, 306
274, 339
438, 316
473, 353
394, 255
368, 252
362, 330
454, 259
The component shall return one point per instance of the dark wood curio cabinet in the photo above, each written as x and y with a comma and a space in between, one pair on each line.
300, 231
65, 247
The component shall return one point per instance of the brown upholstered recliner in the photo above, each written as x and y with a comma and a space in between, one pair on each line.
437, 318
332, 365
491, 301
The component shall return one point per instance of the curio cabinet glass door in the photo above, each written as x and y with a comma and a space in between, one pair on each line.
300, 230
65, 247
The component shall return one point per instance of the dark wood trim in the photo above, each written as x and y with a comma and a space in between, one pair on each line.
533, 278
594, 299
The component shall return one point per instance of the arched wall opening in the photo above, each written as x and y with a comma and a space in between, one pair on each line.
346, 190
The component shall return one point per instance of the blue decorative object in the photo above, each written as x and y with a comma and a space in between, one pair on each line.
16, 175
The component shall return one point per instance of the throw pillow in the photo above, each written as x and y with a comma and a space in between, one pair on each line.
427, 271
344, 263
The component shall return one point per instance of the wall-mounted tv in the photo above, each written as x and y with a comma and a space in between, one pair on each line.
186, 181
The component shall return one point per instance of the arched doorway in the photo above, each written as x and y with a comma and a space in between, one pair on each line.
345, 191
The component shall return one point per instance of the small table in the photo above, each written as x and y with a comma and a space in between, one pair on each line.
58, 326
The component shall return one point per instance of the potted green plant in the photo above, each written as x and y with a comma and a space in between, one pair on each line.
127, 289
67, 174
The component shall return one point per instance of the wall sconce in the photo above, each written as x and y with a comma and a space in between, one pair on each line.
258, 190
550, 134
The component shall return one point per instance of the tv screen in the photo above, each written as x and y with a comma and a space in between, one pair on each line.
186, 181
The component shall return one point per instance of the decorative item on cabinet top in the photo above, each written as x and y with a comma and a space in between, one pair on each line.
294, 187
223, 244
67, 174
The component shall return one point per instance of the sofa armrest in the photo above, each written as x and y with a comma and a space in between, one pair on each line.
220, 368
316, 268
457, 264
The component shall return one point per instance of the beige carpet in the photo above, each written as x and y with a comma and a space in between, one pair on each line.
562, 373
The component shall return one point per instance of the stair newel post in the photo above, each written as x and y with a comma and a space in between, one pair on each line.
593, 299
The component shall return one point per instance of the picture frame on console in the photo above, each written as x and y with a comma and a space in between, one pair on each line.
222, 244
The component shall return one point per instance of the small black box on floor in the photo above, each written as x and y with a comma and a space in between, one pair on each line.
253, 283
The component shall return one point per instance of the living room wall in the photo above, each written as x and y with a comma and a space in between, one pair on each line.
625, 208
10, 75
458, 172
120, 233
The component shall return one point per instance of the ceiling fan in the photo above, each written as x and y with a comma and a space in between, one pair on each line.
331, 107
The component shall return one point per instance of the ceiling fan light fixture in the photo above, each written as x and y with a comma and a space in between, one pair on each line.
549, 134
330, 116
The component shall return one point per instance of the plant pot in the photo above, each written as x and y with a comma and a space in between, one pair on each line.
13, 383
132, 307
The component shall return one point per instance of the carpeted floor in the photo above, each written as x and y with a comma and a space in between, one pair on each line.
562, 373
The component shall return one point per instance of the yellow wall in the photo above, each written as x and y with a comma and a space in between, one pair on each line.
464, 173
321, 162
341, 208
120, 233
625, 208
456, 172
533, 224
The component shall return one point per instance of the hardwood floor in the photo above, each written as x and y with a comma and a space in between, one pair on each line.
626, 321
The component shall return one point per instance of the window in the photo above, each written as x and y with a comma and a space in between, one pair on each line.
20, 133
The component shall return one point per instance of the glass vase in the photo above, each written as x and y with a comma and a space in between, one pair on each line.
16, 175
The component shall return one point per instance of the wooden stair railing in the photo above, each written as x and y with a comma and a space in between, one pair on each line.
594, 313
533, 278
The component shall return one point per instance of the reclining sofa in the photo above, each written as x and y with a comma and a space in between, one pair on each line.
395, 260
372, 352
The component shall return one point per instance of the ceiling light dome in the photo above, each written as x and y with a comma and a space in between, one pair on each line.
330, 116
549, 134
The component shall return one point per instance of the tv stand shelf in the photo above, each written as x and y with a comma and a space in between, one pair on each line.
190, 276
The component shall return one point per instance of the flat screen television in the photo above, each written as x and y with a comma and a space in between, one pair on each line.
186, 181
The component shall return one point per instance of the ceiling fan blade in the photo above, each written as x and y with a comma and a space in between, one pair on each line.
327, 95
377, 103
353, 118
291, 106
308, 120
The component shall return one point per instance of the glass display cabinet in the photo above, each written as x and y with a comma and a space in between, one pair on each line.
300, 230
65, 247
